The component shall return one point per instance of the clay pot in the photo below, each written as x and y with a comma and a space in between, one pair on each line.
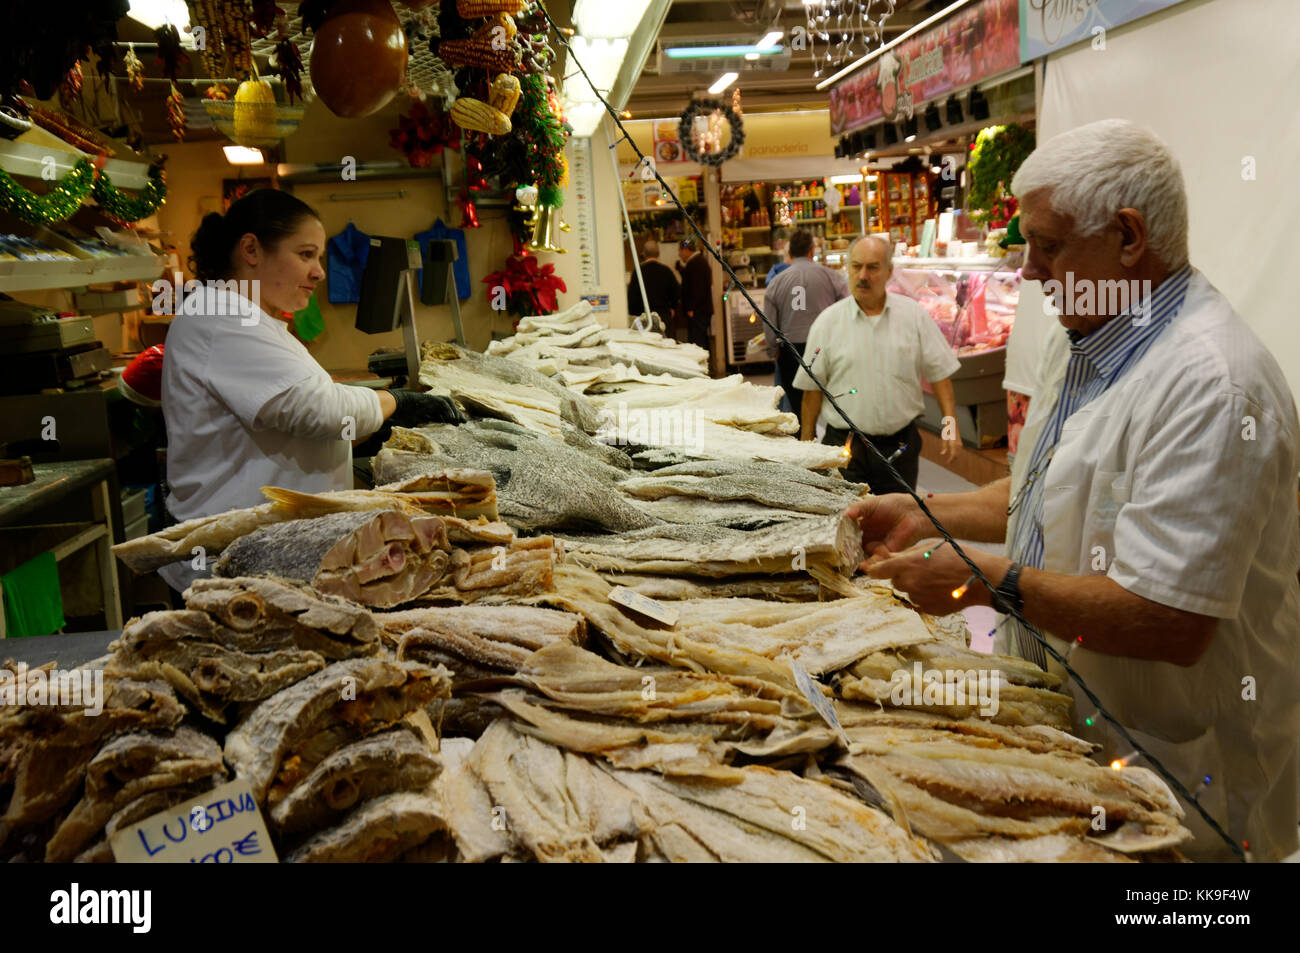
358, 58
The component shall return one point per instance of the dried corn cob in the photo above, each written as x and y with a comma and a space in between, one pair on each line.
504, 93
502, 22
486, 8
204, 13
473, 52
478, 116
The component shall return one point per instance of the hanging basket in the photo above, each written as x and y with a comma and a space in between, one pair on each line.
259, 124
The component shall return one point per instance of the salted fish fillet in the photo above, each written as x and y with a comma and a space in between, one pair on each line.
128, 766
866, 721
542, 484
455, 492
146, 805
793, 588
731, 401
770, 493
751, 821
494, 637
824, 637
833, 541
308, 720
259, 613
383, 763
1048, 849
379, 830
381, 558
524, 568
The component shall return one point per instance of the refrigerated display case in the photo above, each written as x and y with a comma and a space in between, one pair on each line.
973, 300
743, 325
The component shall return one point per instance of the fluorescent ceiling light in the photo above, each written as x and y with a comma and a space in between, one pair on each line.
602, 60
584, 118
155, 13
713, 52
769, 41
846, 179
862, 61
242, 155
725, 80
751, 56
608, 19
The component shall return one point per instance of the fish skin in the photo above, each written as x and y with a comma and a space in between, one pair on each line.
380, 830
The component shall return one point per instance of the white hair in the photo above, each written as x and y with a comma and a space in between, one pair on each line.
880, 237
1096, 170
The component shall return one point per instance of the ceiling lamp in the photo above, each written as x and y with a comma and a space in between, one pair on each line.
869, 140
891, 134
725, 80
715, 52
953, 110
909, 130
932, 120
242, 155
979, 106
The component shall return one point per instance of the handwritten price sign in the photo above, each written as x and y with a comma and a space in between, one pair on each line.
223, 826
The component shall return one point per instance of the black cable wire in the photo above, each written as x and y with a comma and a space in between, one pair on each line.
1179, 788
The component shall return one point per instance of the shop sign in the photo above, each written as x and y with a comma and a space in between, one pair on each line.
223, 826
975, 43
668, 144
1047, 26
598, 302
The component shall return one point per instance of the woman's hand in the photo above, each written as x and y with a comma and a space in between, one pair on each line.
412, 409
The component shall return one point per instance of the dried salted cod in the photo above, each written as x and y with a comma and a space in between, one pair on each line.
380, 830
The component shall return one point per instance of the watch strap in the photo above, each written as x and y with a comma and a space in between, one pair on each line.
1008, 591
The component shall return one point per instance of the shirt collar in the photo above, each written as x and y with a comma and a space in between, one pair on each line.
1110, 347
859, 313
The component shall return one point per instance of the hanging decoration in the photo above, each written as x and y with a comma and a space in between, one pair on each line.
995, 157
41, 42
530, 288
422, 134
170, 54
72, 131
134, 70
843, 30
286, 60
358, 57
70, 88
695, 142
125, 208
176, 113
62, 201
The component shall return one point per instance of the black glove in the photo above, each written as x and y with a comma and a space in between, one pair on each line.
415, 409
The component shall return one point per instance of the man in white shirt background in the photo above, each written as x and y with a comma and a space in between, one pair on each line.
1150, 516
871, 350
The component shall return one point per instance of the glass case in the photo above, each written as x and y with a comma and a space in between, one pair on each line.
973, 300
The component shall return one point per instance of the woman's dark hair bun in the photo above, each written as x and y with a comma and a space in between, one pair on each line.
269, 214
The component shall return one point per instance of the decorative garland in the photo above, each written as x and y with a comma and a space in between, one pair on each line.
62, 201
685, 131
998, 153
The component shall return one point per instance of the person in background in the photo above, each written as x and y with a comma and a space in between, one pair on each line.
1149, 518
779, 267
793, 301
245, 404
871, 351
661, 288
697, 293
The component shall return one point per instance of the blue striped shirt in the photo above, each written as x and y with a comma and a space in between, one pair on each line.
1096, 361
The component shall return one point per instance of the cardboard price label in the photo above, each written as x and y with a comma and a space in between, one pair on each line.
631, 599
812, 691
223, 826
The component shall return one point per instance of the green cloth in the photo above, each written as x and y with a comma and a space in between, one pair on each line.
33, 603
1013, 236
308, 323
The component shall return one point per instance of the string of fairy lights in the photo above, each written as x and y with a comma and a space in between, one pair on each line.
839, 30
977, 575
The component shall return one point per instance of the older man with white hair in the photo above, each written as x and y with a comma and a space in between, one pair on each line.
871, 350
1150, 517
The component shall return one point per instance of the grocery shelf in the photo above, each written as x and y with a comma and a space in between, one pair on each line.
40, 275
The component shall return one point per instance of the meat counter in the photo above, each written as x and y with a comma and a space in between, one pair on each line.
973, 300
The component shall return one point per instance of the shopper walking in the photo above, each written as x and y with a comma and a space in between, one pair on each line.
792, 301
871, 350
1150, 515
661, 287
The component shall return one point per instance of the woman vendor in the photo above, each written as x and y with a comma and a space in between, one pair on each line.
246, 405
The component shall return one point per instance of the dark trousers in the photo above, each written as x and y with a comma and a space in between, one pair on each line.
865, 467
789, 367
698, 329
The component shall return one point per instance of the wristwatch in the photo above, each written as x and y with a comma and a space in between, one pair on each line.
1007, 597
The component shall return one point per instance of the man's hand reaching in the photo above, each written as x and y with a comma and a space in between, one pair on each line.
890, 524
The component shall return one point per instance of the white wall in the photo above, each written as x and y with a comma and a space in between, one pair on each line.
1219, 81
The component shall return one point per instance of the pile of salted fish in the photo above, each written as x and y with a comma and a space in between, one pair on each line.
516, 708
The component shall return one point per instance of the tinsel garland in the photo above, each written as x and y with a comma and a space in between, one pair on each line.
57, 205
543, 135
124, 208
62, 201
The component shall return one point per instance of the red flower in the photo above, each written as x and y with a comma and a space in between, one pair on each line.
528, 285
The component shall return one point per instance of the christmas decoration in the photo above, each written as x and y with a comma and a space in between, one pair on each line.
176, 113
358, 57
995, 157
530, 288
422, 134
718, 111
468, 210
62, 201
